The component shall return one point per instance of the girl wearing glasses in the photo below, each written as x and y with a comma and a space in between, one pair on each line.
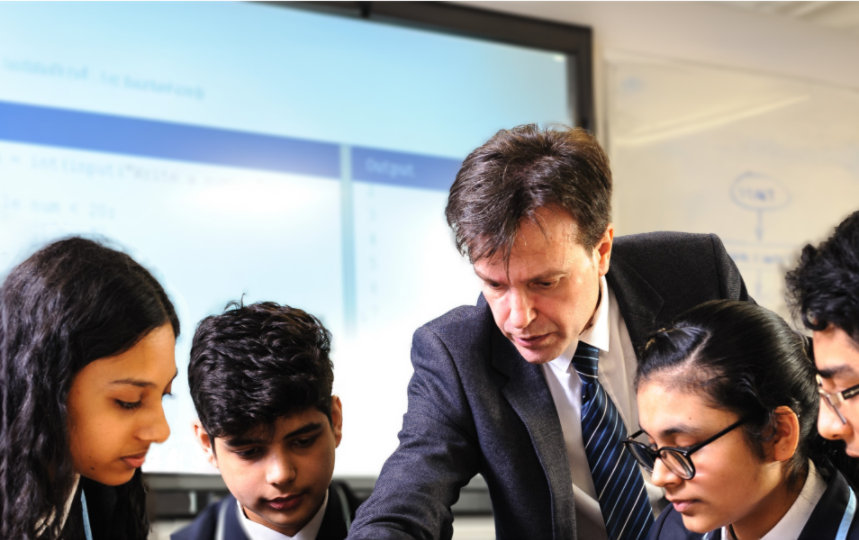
87, 340
727, 404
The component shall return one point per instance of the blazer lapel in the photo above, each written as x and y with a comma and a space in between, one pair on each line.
526, 391
640, 304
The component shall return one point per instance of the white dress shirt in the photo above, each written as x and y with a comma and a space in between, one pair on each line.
616, 372
791, 524
258, 531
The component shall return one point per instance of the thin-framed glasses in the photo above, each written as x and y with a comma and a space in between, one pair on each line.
677, 459
836, 399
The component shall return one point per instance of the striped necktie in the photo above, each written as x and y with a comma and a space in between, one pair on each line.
617, 478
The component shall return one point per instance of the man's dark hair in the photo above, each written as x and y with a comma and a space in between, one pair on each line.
254, 364
517, 172
823, 288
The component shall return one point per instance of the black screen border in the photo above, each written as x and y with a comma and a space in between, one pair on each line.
574, 41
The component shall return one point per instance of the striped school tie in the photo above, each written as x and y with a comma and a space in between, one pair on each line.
617, 478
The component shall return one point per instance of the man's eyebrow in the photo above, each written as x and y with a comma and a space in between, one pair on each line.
481, 276
548, 274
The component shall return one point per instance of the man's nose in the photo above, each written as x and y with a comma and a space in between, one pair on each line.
522, 311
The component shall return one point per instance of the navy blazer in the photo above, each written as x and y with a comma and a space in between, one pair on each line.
833, 512
476, 406
335, 523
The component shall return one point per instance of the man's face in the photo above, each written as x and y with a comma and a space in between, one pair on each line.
547, 294
837, 359
279, 476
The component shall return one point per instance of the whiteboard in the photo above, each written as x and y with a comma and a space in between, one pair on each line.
768, 163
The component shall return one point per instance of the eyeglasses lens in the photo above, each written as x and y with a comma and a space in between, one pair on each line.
677, 463
642, 454
833, 406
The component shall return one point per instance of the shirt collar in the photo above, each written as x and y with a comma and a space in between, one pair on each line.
799, 512
597, 335
258, 531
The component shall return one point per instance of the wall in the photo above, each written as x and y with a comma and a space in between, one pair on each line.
718, 119
706, 32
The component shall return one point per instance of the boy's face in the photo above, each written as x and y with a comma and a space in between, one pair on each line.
837, 357
279, 475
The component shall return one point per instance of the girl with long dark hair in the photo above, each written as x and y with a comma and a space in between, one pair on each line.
87, 340
728, 405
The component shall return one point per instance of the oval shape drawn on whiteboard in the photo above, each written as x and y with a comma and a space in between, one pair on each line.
757, 191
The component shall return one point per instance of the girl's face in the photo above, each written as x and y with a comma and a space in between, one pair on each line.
732, 484
114, 408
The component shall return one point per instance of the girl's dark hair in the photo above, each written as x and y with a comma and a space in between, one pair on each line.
72, 302
744, 358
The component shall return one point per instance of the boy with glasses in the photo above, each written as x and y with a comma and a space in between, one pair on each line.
824, 290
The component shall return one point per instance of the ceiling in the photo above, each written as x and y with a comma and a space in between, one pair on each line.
841, 16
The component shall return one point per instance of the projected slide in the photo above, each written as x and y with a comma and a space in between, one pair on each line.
304, 160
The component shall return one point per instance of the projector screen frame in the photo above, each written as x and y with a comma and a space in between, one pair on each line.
574, 41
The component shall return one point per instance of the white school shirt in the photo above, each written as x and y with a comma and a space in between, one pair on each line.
258, 531
616, 372
791, 524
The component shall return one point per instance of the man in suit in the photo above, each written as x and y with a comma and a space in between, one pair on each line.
823, 289
493, 390
261, 379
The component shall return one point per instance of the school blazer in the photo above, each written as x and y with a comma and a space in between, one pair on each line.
476, 406
335, 523
834, 518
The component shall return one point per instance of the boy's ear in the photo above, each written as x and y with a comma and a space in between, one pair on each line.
205, 442
786, 436
337, 419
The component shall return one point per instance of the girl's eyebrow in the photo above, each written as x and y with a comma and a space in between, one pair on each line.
141, 382
679, 429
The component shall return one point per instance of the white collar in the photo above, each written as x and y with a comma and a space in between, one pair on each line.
258, 531
794, 520
597, 335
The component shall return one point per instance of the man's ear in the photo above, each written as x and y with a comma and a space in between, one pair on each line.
337, 419
786, 434
603, 249
205, 442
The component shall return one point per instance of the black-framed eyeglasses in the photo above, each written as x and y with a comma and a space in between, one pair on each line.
677, 460
836, 399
